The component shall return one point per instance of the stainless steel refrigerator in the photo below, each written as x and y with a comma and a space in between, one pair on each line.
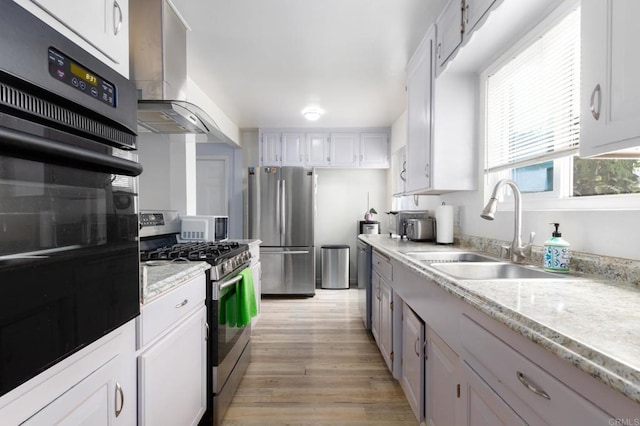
281, 206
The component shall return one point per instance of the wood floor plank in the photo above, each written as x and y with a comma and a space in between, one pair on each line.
313, 363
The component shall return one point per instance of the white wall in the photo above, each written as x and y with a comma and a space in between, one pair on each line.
341, 203
168, 178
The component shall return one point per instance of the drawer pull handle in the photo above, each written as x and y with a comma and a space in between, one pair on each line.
527, 384
120, 396
181, 304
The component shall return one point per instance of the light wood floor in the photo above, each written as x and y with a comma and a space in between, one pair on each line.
313, 363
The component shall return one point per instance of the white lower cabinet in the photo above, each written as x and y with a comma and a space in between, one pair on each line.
443, 384
94, 386
412, 379
382, 317
172, 363
385, 341
99, 399
533, 392
483, 405
172, 375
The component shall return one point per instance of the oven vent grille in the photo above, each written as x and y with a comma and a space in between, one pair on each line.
19, 100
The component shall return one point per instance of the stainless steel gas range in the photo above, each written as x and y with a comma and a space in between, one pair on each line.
229, 344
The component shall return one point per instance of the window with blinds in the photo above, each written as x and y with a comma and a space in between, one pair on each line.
533, 106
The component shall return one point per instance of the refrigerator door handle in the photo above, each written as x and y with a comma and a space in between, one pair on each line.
283, 221
278, 198
285, 252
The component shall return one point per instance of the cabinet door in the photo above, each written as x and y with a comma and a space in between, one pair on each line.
100, 399
474, 10
399, 171
449, 33
412, 360
317, 149
375, 305
344, 149
374, 150
270, 153
443, 391
172, 375
103, 24
386, 323
292, 149
419, 118
483, 406
610, 98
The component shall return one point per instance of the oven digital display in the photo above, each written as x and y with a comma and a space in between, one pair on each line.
68, 71
85, 75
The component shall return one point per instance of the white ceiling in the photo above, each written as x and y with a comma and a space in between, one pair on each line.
263, 61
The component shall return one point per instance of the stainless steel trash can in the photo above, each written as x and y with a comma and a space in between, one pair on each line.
335, 266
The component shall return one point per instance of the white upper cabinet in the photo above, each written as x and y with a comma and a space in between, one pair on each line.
449, 32
344, 149
374, 150
293, 149
610, 98
455, 25
270, 149
419, 115
317, 149
473, 12
366, 148
440, 126
99, 26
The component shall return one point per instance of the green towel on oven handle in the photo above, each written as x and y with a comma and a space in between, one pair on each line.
246, 298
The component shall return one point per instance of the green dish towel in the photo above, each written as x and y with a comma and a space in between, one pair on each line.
247, 306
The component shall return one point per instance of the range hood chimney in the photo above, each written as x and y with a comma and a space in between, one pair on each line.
158, 61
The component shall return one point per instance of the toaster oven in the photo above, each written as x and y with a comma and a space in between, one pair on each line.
398, 220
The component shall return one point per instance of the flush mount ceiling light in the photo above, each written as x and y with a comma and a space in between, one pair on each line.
312, 113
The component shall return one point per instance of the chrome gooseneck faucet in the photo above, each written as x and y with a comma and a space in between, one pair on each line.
517, 252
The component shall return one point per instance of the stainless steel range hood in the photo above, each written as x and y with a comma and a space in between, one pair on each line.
158, 61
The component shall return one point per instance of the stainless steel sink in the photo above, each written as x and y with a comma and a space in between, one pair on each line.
458, 256
493, 271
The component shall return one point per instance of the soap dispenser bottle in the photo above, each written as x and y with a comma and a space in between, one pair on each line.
556, 252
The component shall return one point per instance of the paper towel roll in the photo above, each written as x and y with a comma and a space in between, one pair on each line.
444, 224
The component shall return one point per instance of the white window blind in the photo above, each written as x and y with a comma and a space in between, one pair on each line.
533, 100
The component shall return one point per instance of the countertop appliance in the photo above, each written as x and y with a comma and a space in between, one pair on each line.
229, 345
281, 214
398, 220
204, 228
421, 229
364, 283
368, 227
69, 267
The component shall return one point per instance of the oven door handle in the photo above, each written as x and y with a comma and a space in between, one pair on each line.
230, 282
32, 147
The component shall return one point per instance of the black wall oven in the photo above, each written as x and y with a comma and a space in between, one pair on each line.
69, 265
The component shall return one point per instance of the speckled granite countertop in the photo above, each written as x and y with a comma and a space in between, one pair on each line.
591, 322
162, 276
